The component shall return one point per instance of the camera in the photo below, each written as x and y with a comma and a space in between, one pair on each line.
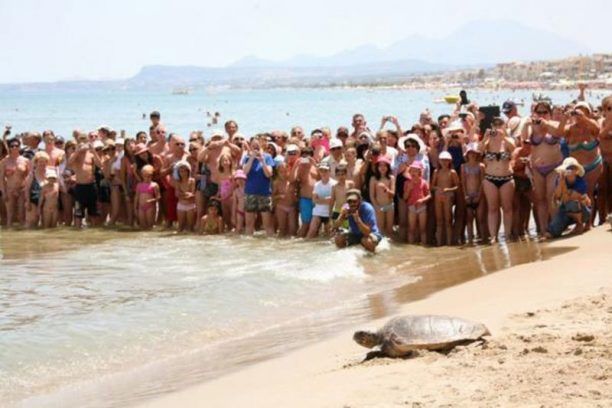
537, 121
493, 132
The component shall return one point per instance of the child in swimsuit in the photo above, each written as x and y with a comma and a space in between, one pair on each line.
49, 199
338, 198
444, 184
146, 198
225, 176
472, 174
382, 190
284, 199
212, 223
416, 195
184, 188
321, 196
238, 198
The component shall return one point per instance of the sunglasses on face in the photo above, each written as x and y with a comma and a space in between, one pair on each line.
193, 140
352, 201
336, 148
291, 153
542, 112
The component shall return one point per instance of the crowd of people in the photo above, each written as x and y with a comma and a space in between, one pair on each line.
441, 181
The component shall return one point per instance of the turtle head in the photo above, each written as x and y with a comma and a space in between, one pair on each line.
366, 338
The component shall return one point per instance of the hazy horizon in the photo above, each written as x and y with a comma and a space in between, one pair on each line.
69, 39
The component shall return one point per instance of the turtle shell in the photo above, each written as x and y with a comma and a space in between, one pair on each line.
406, 333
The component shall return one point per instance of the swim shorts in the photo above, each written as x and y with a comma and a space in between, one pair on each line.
257, 203
355, 239
86, 197
306, 207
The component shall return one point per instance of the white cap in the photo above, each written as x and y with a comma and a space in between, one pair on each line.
335, 143
217, 133
119, 141
292, 148
97, 144
445, 156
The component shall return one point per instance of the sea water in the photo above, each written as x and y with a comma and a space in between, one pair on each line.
105, 318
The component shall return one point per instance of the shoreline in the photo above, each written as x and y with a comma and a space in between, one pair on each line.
329, 373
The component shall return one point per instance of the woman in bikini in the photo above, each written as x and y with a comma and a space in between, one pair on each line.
545, 157
14, 170
284, 199
498, 182
582, 135
382, 191
184, 189
34, 183
146, 198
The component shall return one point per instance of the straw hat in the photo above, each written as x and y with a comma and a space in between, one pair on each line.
571, 162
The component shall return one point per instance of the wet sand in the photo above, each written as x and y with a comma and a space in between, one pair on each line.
550, 346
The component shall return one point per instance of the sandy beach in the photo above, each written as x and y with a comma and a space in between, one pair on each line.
551, 345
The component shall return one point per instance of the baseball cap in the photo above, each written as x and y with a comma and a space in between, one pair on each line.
335, 143
508, 106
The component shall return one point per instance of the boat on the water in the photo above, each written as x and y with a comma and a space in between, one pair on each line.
451, 98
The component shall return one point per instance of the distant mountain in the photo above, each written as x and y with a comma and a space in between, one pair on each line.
479, 44
476, 43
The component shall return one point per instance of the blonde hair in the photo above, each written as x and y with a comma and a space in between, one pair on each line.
41, 156
220, 165
148, 169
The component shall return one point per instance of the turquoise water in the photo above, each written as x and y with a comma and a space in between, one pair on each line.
255, 110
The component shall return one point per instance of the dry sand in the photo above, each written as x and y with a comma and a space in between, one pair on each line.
551, 345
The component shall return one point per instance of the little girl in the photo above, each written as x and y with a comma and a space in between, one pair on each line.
416, 195
185, 192
284, 195
238, 198
472, 174
382, 190
147, 196
49, 199
212, 223
445, 182
226, 172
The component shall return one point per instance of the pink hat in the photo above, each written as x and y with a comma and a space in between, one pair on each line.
383, 159
416, 165
239, 175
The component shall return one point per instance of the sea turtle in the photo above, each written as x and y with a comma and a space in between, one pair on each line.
404, 334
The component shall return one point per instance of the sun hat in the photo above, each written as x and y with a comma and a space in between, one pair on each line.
366, 135
445, 156
97, 144
324, 166
414, 137
571, 162
454, 126
182, 163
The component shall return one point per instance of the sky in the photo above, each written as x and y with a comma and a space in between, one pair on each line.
50, 40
